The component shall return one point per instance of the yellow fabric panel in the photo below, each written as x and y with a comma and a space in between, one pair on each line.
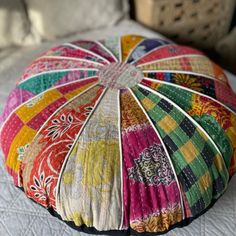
205, 182
218, 162
168, 124
189, 151
37, 104
128, 43
77, 91
99, 162
100, 169
24, 137
148, 104
130, 108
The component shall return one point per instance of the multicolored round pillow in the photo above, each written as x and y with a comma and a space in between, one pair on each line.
123, 135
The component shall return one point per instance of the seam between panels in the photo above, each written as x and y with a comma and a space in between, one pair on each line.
121, 159
55, 71
86, 50
188, 116
107, 50
73, 145
172, 58
190, 90
182, 72
48, 90
133, 49
164, 147
157, 48
70, 58
56, 111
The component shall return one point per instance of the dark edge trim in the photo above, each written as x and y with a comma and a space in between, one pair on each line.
129, 231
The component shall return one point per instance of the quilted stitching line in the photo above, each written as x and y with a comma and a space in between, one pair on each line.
40, 94
186, 114
73, 145
169, 95
208, 123
131, 150
166, 151
133, 49
52, 72
73, 58
98, 89
199, 197
55, 112
179, 72
154, 49
107, 50
181, 57
88, 51
137, 141
175, 114
152, 76
186, 90
202, 66
121, 157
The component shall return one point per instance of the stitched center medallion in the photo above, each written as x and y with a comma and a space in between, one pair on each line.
119, 75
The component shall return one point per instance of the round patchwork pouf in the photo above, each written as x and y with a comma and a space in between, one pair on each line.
126, 135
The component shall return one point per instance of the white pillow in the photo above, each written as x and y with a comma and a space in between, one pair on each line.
14, 25
57, 18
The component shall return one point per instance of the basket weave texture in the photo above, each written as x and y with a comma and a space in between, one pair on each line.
198, 22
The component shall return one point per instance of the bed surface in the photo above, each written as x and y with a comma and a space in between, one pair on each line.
19, 216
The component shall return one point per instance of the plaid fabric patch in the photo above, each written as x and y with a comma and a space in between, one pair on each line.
199, 167
206, 114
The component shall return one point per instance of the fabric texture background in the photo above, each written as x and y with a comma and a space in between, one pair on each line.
60, 18
14, 24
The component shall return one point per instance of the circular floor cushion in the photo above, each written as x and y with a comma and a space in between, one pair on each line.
123, 135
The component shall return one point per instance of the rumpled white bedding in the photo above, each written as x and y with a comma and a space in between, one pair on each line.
21, 217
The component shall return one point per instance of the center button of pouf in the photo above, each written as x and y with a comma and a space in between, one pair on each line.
119, 75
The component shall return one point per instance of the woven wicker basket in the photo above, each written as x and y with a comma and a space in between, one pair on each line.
197, 22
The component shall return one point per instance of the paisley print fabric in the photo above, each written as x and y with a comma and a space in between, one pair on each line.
152, 167
125, 135
145, 163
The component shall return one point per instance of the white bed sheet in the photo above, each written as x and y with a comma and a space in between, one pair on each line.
21, 217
